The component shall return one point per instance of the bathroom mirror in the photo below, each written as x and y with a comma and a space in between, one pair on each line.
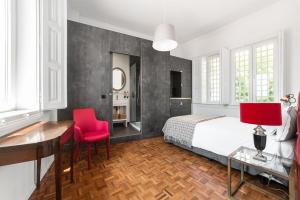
119, 79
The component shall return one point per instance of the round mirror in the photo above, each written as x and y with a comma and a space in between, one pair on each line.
119, 79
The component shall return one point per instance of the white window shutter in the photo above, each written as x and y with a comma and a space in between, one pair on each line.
225, 76
196, 77
53, 54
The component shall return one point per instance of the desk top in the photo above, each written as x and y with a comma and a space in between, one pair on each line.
36, 133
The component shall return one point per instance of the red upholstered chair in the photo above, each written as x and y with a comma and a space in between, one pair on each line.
87, 129
298, 145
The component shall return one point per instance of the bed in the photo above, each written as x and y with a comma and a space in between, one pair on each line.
215, 137
218, 137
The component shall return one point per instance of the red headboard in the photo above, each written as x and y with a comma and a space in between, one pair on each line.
298, 115
298, 145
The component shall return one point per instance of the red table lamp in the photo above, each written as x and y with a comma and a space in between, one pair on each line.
260, 114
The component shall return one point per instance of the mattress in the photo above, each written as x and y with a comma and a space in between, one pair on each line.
222, 136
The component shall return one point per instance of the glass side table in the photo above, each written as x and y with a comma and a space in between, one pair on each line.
275, 165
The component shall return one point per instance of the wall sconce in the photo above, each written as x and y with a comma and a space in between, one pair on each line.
289, 99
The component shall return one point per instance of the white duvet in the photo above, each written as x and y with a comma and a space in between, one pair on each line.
224, 135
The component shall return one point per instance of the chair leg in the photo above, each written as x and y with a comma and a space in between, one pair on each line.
107, 148
77, 151
96, 151
89, 156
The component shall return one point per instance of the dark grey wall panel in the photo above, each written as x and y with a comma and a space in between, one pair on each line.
155, 89
89, 70
120, 43
180, 64
180, 107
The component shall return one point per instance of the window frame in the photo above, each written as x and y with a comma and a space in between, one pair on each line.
275, 67
206, 99
208, 79
17, 116
10, 56
253, 68
233, 72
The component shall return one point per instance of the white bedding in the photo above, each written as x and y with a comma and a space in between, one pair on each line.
224, 135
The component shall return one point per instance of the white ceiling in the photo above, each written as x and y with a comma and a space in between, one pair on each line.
191, 18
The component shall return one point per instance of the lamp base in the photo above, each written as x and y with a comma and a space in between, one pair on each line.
260, 140
260, 157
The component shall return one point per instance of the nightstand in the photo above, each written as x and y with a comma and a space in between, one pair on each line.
275, 165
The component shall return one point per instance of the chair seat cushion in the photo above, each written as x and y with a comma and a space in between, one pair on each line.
94, 136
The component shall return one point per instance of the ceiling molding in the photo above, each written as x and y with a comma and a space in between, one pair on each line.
74, 16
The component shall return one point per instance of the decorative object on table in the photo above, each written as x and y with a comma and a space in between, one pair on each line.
268, 114
289, 99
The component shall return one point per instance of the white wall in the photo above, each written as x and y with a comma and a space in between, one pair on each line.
281, 16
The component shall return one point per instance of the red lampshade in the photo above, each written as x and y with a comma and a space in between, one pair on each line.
261, 113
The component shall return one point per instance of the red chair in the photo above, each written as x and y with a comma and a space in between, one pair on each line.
87, 129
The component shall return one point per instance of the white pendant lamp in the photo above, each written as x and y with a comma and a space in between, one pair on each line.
164, 38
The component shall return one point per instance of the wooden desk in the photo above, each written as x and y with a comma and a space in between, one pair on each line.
38, 141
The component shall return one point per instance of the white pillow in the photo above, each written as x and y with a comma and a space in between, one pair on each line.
288, 128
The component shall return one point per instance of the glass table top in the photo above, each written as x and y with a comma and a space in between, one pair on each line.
275, 164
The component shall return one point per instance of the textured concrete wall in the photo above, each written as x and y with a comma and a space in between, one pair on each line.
182, 106
155, 89
89, 70
90, 74
179, 64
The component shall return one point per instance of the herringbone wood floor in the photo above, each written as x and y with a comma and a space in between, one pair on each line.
146, 169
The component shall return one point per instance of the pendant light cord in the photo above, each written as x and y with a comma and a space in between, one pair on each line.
164, 11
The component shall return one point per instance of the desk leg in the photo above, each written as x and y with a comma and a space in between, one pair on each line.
38, 166
242, 172
72, 160
57, 158
38, 173
229, 178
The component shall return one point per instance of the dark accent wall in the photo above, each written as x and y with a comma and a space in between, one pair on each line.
180, 64
155, 89
90, 74
88, 70
182, 106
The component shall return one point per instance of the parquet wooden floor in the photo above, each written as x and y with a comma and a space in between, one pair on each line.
146, 169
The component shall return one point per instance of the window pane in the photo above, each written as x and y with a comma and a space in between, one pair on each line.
242, 76
214, 78
2, 55
203, 79
265, 73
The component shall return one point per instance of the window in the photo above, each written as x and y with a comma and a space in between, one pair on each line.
253, 73
203, 79
19, 76
241, 63
6, 101
210, 79
264, 63
214, 78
